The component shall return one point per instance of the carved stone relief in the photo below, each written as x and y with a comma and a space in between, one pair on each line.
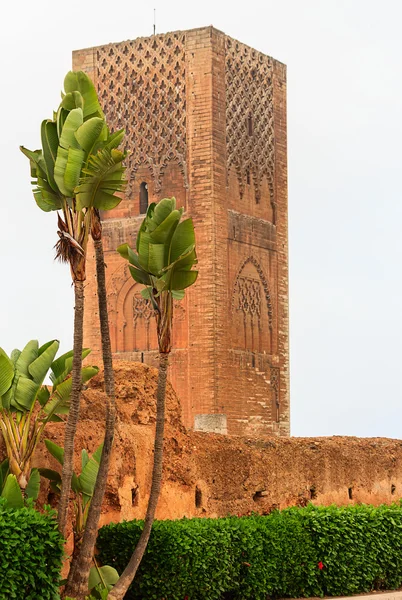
142, 87
131, 317
249, 116
252, 308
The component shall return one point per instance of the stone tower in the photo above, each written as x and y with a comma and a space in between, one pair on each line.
205, 117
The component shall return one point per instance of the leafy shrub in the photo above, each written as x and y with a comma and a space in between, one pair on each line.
297, 552
31, 551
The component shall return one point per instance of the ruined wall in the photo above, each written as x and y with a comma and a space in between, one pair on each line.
205, 118
214, 475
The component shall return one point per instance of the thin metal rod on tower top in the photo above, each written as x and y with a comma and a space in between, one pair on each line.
154, 21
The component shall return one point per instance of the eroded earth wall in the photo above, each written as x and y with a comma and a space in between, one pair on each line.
215, 475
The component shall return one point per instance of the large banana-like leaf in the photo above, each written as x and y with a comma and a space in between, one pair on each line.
32, 489
160, 212
102, 178
58, 453
70, 156
114, 140
68, 169
144, 241
183, 279
63, 365
106, 576
12, 492
50, 143
165, 231
84, 458
80, 82
6, 372
72, 100
27, 356
156, 258
182, 239
46, 197
140, 276
40, 366
74, 120
43, 395
72, 173
25, 394
60, 402
89, 473
88, 134
53, 476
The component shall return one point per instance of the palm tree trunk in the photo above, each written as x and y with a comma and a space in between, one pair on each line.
77, 586
71, 426
121, 587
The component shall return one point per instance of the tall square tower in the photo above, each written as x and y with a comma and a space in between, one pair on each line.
205, 118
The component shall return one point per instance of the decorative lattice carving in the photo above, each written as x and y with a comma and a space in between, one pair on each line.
249, 294
249, 116
142, 308
141, 85
115, 281
249, 297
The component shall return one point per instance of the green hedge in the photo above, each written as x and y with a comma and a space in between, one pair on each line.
31, 554
312, 551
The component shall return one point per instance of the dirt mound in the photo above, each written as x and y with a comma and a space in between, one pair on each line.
135, 386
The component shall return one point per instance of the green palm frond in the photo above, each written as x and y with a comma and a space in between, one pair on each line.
102, 179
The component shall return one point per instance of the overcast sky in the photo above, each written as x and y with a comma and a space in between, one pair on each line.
344, 62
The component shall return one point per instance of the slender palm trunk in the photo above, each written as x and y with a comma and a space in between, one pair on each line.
121, 587
71, 426
77, 586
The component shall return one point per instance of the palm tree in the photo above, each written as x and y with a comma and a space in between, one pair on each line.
163, 261
77, 585
78, 170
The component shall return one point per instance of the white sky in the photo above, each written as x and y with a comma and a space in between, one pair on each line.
344, 61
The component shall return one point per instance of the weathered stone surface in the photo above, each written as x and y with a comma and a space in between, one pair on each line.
212, 475
205, 118
211, 423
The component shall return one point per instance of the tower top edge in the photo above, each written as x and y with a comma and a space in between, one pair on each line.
209, 28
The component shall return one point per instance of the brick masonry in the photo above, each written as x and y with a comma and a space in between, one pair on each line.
205, 118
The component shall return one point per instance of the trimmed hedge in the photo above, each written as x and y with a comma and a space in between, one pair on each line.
312, 551
31, 551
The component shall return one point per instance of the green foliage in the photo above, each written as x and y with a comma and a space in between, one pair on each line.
78, 171
26, 406
298, 552
163, 262
78, 157
83, 485
101, 580
165, 251
30, 554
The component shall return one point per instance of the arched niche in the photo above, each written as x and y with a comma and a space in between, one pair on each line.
173, 182
143, 197
136, 328
252, 312
132, 320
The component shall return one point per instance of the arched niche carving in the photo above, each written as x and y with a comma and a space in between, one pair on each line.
173, 181
131, 318
252, 311
136, 329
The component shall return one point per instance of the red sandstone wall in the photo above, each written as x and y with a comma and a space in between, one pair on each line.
186, 100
